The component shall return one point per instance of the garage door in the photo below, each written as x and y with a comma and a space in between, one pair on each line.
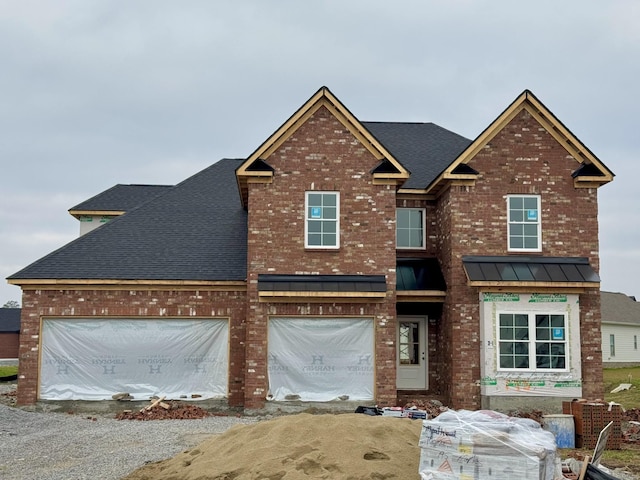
92, 359
320, 359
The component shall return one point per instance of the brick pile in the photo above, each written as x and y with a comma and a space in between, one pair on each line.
590, 418
169, 410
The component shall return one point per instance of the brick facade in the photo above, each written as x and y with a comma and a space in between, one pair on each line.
41, 304
322, 155
464, 218
9, 344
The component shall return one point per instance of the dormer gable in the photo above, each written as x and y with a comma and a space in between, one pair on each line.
256, 168
590, 171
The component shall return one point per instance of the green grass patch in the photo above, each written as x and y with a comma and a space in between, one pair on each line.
7, 370
614, 377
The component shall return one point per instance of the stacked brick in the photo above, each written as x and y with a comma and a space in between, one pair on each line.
590, 418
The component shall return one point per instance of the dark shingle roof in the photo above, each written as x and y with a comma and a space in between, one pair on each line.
196, 230
425, 149
10, 320
619, 308
121, 198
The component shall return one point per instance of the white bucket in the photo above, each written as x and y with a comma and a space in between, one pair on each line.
563, 427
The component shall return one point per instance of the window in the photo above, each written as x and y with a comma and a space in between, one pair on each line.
322, 223
612, 345
635, 342
410, 228
524, 223
532, 341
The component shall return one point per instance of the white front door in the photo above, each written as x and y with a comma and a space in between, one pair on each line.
412, 353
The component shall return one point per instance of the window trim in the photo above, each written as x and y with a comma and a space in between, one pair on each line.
423, 212
538, 223
307, 219
532, 342
612, 345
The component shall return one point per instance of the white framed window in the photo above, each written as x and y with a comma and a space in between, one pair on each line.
410, 231
612, 345
322, 220
532, 342
524, 227
635, 342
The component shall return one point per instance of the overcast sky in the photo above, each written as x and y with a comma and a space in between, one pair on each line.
95, 93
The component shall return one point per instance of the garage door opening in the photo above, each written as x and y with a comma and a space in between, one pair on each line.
84, 359
320, 359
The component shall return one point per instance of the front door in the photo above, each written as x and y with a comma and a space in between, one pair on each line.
412, 353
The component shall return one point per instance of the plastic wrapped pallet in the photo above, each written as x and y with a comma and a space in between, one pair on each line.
465, 445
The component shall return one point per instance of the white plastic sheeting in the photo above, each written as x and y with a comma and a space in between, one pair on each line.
319, 360
94, 359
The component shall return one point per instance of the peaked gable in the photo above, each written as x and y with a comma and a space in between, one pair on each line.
256, 167
590, 171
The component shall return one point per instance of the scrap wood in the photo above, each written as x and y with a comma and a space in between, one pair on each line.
153, 404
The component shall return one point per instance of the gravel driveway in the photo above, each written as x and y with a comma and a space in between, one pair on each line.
59, 446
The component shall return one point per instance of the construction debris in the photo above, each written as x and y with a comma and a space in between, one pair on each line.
621, 387
161, 410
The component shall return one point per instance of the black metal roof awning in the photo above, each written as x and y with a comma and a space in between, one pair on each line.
514, 270
321, 287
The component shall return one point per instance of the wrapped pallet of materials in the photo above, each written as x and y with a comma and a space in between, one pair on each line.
465, 445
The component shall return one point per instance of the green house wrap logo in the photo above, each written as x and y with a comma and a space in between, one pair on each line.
547, 298
568, 384
488, 381
501, 297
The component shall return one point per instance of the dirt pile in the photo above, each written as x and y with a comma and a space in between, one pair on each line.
300, 446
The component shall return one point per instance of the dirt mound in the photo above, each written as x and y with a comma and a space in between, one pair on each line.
302, 446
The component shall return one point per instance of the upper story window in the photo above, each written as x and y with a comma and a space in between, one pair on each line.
524, 223
410, 231
322, 222
532, 342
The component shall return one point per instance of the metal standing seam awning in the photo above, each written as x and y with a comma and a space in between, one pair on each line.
518, 271
334, 288
417, 280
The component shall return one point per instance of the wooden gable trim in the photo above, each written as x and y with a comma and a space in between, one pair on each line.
117, 284
101, 213
528, 101
322, 98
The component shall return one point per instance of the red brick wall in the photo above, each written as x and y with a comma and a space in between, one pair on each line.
521, 159
9, 343
321, 155
37, 304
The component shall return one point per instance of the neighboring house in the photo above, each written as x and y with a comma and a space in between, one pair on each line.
9, 332
340, 260
112, 203
620, 330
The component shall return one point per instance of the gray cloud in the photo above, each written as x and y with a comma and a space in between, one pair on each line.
99, 93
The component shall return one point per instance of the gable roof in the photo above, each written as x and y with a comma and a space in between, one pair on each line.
590, 171
118, 199
247, 172
425, 149
196, 231
10, 320
619, 308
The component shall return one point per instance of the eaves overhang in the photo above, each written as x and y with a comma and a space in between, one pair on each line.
96, 213
118, 284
